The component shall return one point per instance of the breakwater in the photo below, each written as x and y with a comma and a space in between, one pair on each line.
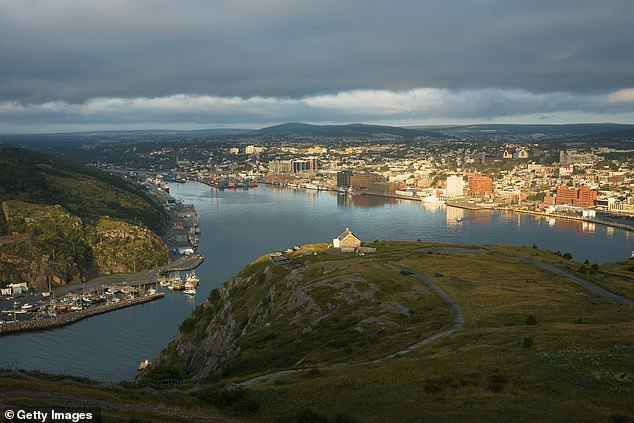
69, 318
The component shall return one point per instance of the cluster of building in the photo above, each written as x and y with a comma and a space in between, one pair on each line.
527, 175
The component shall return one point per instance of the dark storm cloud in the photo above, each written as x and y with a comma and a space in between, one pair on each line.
76, 50
85, 64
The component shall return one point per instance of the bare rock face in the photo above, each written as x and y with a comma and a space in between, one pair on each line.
216, 348
278, 314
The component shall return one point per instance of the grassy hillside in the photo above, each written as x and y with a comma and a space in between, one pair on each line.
69, 223
535, 346
37, 178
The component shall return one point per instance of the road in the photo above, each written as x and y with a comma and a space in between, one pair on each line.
458, 316
585, 284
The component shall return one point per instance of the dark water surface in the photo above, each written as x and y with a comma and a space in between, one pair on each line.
239, 226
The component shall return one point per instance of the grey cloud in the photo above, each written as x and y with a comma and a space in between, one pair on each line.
419, 106
73, 51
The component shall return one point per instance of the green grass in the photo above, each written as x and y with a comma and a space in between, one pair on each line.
573, 362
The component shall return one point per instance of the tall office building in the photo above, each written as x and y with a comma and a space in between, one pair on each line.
455, 186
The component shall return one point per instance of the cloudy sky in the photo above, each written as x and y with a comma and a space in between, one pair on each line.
81, 65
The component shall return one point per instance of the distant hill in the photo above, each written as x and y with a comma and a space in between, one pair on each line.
546, 131
351, 130
71, 222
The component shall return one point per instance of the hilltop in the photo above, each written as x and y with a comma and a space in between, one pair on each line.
350, 130
70, 223
415, 331
411, 332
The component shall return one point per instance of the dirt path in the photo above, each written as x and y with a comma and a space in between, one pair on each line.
458, 322
458, 317
585, 284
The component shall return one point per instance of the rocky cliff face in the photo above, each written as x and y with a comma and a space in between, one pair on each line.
49, 244
301, 310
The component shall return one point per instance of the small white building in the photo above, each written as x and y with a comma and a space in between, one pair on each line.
347, 241
18, 288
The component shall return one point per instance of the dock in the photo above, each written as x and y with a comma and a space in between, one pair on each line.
10, 328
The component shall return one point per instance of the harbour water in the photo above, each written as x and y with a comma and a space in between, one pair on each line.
239, 226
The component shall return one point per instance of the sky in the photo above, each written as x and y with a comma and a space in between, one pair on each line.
72, 65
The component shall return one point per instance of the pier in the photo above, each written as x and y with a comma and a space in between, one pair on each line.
9, 328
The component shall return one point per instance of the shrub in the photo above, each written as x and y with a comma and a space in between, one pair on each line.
435, 385
579, 321
567, 256
187, 325
343, 418
531, 320
586, 262
311, 373
528, 342
595, 267
240, 400
583, 269
310, 416
534, 246
497, 382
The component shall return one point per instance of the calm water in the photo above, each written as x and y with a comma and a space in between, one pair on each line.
239, 226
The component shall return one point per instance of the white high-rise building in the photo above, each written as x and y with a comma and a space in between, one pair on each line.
455, 186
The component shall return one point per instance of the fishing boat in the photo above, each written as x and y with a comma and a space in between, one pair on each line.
432, 199
144, 364
176, 286
192, 280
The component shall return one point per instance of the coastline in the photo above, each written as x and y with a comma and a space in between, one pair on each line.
475, 208
137, 279
10, 328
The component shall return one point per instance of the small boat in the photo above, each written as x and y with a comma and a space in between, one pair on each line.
189, 292
144, 364
432, 199
459, 219
192, 278
176, 286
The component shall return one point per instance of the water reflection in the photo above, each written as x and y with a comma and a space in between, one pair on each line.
239, 226
366, 201
588, 227
455, 216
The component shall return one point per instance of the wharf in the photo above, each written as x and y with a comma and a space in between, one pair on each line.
147, 277
571, 217
9, 328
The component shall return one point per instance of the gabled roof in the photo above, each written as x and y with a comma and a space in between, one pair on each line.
345, 234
